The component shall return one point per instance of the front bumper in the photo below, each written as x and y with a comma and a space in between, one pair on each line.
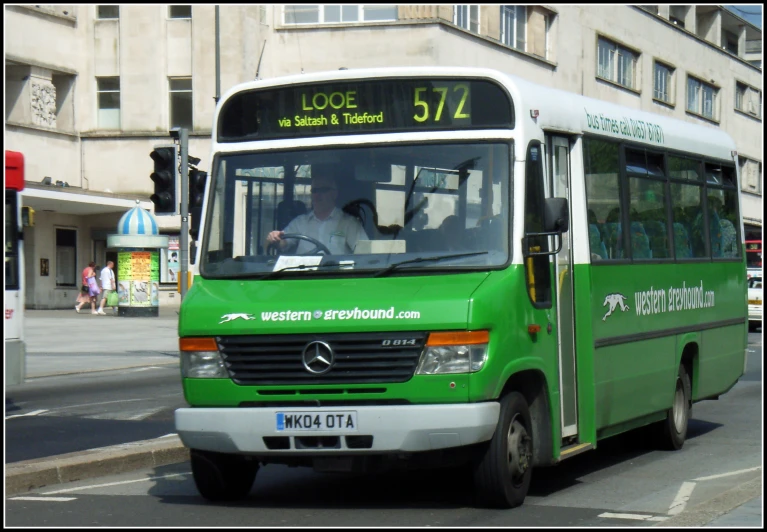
410, 428
755, 313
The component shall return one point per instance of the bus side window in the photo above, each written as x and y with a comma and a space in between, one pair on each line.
603, 198
537, 271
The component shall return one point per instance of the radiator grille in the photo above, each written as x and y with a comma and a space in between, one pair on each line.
357, 358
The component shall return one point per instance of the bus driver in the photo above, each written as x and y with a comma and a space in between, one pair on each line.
338, 231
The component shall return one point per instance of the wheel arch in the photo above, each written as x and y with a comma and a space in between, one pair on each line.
688, 356
532, 384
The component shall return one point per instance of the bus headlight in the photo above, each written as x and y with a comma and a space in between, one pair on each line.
462, 352
200, 359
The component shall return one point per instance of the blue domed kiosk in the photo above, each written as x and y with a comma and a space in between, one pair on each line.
138, 245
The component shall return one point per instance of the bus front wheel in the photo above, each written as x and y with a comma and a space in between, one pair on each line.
222, 477
502, 473
672, 431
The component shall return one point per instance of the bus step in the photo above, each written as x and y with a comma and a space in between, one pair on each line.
573, 450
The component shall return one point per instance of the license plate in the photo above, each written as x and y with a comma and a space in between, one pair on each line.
754, 302
313, 421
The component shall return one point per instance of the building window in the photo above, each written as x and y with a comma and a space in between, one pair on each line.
107, 12
663, 89
748, 99
466, 17
513, 26
750, 175
181, 102
677, 15
730, 42
66, 257
616, 64
179, 11
109, 102
701, 98
335, 14
379, 13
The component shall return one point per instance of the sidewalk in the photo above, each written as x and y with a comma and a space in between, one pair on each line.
62, 341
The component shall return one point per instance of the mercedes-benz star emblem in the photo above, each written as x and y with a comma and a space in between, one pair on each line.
317, 357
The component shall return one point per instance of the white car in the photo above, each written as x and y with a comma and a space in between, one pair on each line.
754, 302
751, 272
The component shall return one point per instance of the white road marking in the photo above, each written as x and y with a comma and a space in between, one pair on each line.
118, 401
53, 499
634, 517
146, 414
682, 496
36, 412
757, 468
115, 483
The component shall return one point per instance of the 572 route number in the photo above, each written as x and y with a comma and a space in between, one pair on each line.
461, 90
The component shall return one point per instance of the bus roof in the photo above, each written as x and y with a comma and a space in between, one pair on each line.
558, 110
14, 170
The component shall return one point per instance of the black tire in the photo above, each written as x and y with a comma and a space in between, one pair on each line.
503, 471
222, 477
672, 431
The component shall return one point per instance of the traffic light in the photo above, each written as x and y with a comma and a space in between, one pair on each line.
164, 198
197, 181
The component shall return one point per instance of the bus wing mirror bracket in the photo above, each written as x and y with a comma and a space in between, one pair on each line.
556, 215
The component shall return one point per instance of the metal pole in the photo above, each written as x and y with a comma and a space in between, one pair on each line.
218, 59
183, 136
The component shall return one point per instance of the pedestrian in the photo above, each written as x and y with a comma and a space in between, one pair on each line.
84, 296
107, 286
93, 289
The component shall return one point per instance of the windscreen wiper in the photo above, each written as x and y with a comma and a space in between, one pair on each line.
392, 267
275, 273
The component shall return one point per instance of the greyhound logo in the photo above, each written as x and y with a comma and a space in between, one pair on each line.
229, 317
614, 300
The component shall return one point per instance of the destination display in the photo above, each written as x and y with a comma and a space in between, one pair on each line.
371, 106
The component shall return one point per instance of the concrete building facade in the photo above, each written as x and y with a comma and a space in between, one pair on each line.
91, 89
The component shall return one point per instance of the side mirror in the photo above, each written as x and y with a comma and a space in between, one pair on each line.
556, 215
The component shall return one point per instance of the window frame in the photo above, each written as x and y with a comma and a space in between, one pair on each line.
321, 14
617, 53
671, 82
171, 92
535, 205
76, 281
100, 17
700, 96
624, 184
184, 17
742, 161
512, 40
742, 89
468, 15
99, 92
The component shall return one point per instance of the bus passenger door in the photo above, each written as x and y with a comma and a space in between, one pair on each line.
559, 163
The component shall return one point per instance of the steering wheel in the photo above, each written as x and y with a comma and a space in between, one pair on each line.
318, 246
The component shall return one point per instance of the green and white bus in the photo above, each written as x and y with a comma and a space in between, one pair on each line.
538, 271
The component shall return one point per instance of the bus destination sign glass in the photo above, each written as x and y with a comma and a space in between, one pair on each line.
370, 106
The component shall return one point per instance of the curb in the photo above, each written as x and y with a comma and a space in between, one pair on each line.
711, 509
21, 477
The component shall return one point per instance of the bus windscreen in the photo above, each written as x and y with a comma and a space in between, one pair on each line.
371, 106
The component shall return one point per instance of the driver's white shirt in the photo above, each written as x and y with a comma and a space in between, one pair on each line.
339, 231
